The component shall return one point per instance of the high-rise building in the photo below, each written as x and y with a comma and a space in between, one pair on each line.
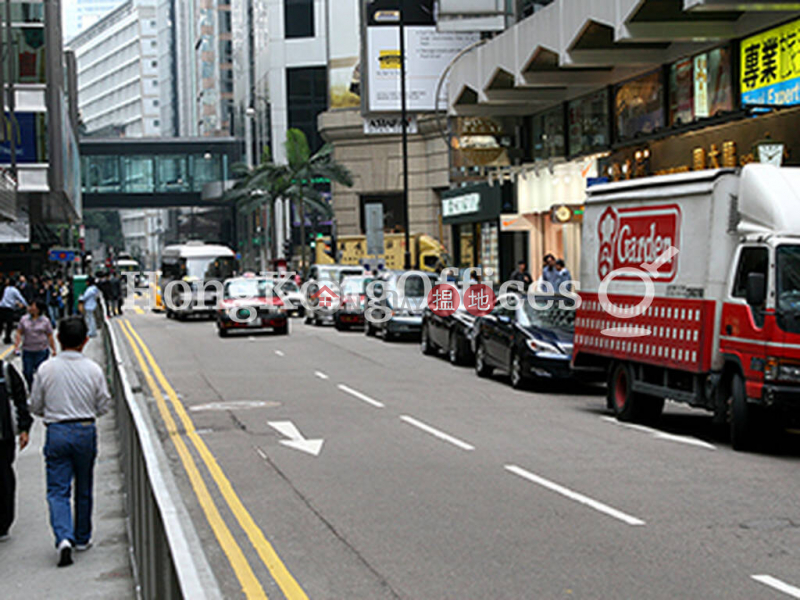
118, 72
79, 15
38, 148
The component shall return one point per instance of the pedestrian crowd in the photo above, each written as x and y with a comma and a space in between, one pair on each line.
67, 390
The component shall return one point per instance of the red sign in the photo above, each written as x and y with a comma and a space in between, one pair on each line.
631, 238
443, 299
479, 300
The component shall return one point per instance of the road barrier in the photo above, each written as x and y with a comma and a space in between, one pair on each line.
168, 558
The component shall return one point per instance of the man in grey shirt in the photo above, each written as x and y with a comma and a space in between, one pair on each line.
70, 392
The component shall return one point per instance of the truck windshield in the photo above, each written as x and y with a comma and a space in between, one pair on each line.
788, 288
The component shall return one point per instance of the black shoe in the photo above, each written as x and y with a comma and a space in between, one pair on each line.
64, 553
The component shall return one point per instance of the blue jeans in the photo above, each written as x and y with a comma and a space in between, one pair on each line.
91, 323
31, 359
70, 450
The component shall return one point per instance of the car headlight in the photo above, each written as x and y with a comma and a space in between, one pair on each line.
777, 369
539, 346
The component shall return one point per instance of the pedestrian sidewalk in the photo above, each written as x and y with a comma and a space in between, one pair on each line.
28, 560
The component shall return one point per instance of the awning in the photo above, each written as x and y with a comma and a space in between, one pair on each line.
517, 222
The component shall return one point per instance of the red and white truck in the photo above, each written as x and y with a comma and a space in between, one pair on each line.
718, 251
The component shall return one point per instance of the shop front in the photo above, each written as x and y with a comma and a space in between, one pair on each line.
550, 201
473, 214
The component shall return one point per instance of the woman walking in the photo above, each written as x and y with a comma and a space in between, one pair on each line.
35, 334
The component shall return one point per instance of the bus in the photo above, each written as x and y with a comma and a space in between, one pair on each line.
127, 264
196, 264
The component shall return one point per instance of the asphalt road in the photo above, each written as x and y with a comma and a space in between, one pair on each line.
434, 484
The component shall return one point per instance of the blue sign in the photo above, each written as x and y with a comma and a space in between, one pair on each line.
63, 256
27, 141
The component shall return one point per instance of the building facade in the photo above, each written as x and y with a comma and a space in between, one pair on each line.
38, 148
118, 72
79, 15
588, 92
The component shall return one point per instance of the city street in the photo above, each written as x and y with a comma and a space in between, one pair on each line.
405, 477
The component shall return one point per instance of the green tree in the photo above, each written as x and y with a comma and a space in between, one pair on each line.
109, 225
270, 182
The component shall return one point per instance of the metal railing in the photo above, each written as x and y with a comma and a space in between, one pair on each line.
168, 559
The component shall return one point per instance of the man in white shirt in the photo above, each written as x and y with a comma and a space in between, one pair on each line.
70, 392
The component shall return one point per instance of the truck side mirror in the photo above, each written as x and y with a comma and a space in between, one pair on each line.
756, 289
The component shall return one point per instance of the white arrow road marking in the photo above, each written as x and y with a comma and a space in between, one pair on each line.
321, 375
558, 489
660, 435
296, 439
777, 584
360, 396
279, 353
436, 433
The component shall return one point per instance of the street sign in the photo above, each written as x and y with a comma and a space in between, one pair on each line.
389, 125
62, 255
373, 214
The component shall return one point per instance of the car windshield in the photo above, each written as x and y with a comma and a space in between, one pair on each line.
248, 288
355, 286
549, 313
289, 286
788, 288
417, 286
210, 267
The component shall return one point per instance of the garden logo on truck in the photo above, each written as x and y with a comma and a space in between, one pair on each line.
631, 237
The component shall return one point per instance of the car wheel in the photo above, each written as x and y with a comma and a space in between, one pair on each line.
223, 333
368, 330
517, 373
170, 314
425, 343
454, 352
481, 368
746, 426
388, 336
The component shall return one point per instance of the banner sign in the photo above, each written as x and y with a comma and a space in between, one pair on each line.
770, 67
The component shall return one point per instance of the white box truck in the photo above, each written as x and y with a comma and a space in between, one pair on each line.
690, 288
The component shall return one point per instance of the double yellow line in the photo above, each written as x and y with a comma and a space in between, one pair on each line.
244, 572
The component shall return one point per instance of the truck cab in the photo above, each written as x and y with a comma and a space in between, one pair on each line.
760, 327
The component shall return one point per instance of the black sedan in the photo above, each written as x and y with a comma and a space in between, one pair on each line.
451, 334
526, 339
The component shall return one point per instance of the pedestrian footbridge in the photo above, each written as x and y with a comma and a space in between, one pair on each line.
120, 173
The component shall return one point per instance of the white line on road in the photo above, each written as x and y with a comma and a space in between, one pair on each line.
777, 584
436, 433
360, 396
599, 506
279, 353
321, 375
661, 435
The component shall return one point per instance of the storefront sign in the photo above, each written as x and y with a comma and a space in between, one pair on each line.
389, 125
474, 204
639, 105
463, 205
770, 67
631, 237
700, 86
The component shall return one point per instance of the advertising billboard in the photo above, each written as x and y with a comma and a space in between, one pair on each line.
769, 71
344, 44
428, 54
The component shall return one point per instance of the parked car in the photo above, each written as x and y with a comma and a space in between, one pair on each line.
322, 276
404, 306
251, 303
453, 334
526, 339
353, 303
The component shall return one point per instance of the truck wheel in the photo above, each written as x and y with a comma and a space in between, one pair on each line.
745, 421
481, 368
425, 344
630, 406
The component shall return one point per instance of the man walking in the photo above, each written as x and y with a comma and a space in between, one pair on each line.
70, 392
11, 301
521, 274
115, 290
12, 389
89, 299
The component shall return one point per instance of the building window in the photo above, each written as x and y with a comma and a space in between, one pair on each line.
155, 103
153, 43
154, 64
155, 82
307, 96
298, 18
156, 123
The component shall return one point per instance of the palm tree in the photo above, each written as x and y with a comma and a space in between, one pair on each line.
294, 180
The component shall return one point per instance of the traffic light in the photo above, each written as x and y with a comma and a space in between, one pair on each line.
288, 248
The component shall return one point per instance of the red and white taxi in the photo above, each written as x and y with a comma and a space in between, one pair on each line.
251, 303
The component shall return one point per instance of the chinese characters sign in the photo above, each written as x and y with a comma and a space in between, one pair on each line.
770, 67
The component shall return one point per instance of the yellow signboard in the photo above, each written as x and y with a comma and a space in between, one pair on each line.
770, 67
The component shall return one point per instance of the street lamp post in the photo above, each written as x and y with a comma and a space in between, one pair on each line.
404, 119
